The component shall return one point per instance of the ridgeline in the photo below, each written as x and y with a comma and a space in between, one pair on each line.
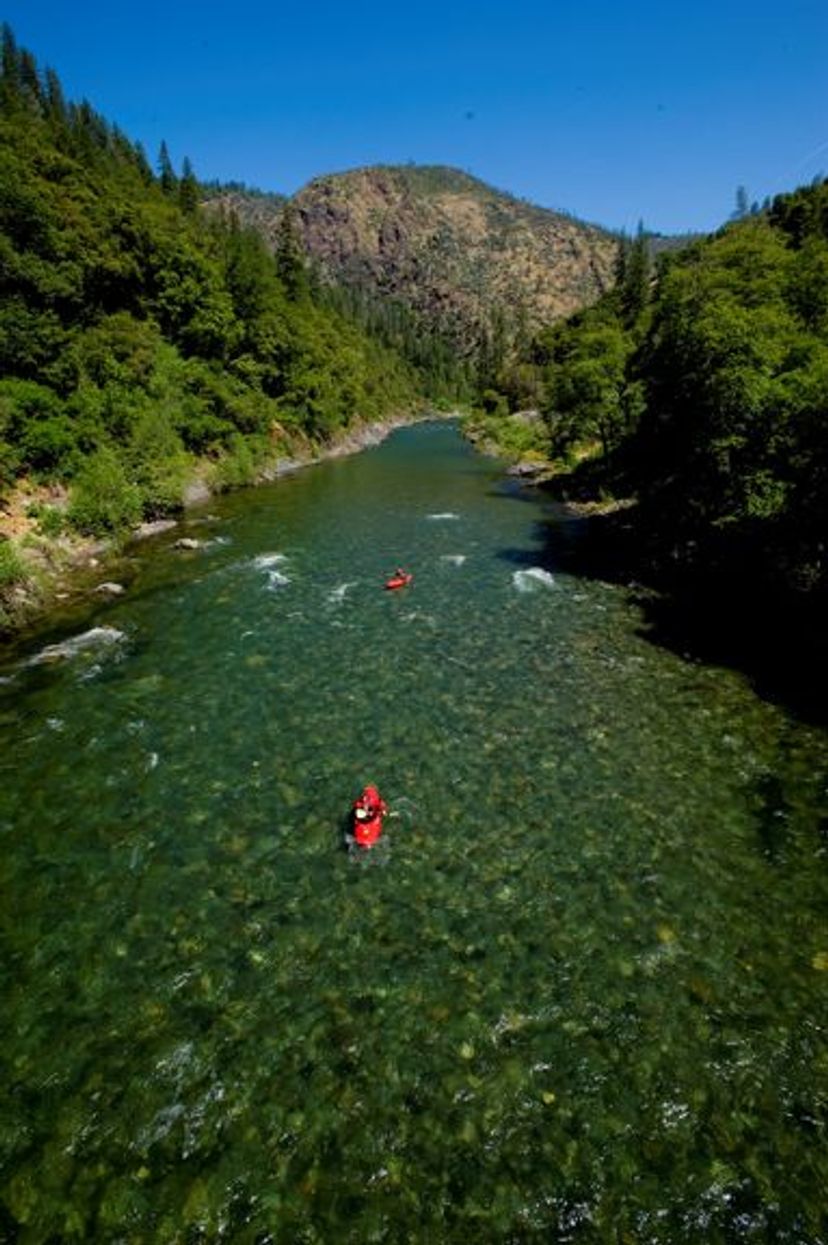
452, 272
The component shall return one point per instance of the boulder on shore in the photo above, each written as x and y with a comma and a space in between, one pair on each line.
155, 527
526, 470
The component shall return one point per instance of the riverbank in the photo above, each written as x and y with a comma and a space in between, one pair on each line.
40, 570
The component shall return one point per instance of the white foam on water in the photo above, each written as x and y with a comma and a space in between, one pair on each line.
531, 578
443, 516
264, 561
55, 724
338, 593
95, 638
454, 559
416, 616
152, 760
90, 673
276, 580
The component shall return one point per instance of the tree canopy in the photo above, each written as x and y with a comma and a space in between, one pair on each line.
137, 333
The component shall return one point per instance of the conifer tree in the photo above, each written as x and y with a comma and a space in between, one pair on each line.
142, 163
55, 103
166, 173
636, 277
290, 258
188, 188
621, 260
9, 69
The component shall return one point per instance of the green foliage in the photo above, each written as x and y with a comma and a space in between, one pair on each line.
12, 568
104, 501
731, 455
591, 392
51, 520
34, 422
237, 467
188, 189
443, 373
291, 264
632, 276
494, 403
707, 392
157, 463
134, 333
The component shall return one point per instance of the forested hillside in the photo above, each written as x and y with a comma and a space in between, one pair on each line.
701, 389
139, 337
454, 272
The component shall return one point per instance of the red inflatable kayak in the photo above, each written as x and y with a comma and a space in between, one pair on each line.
368, 812
400, 580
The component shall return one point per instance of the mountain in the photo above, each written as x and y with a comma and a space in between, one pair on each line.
444, 244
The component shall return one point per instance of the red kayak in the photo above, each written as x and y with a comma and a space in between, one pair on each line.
368, 812
399, 580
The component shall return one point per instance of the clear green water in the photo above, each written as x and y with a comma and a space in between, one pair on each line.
579, 992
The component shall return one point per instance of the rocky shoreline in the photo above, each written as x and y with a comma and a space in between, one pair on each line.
64, 568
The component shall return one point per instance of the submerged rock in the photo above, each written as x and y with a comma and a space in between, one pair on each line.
96, 637
531, 578
187, 542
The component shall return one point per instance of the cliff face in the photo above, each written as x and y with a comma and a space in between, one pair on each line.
449, 246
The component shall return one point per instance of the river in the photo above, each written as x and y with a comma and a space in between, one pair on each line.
579, 991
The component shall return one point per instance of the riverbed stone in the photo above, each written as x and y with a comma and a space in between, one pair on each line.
154, 528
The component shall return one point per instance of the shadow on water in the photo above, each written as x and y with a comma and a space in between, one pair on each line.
702, 616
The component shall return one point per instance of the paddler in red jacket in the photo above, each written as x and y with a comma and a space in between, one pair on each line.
369, 810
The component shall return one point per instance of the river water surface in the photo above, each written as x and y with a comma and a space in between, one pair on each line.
579, 992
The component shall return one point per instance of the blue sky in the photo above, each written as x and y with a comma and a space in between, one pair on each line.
614, 112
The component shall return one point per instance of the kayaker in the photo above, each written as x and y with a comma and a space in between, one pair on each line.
369, 804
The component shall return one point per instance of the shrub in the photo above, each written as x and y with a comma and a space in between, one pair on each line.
158, 464
12, 567
104, 501
238, 466
50, 519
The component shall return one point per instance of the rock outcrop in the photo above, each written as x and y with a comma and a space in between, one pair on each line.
448, 246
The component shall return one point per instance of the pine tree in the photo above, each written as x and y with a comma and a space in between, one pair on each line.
635, 287
166, 173
290, 258
30, 80
621, 260
142, 163
55, 103
9, 69
742, 203
188, 188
